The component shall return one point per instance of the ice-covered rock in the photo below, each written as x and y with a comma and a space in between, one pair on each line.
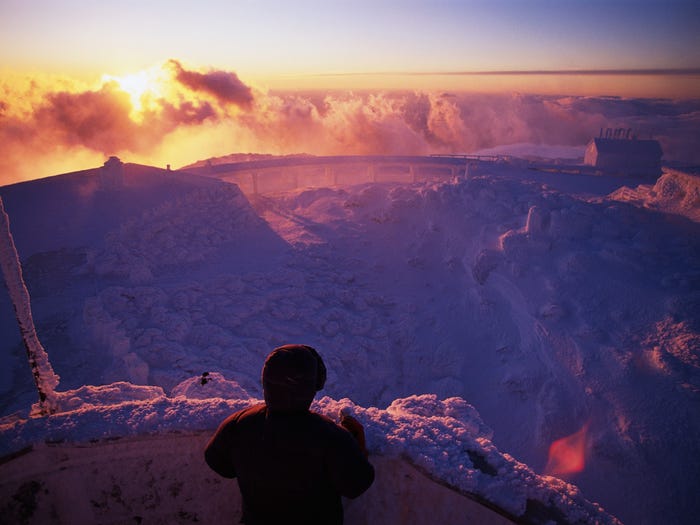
208, 385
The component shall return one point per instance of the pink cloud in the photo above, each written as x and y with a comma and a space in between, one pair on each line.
225, 86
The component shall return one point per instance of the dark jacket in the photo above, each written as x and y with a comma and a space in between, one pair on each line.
292, 466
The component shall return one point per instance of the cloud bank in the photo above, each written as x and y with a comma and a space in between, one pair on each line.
48, 128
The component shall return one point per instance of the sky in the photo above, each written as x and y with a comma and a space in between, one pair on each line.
174, 82
387, 43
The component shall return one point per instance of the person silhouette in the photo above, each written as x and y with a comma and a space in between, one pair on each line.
292, 464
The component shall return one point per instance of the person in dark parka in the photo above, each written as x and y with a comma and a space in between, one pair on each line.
292, 465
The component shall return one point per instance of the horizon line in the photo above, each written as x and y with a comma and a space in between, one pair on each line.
528, 72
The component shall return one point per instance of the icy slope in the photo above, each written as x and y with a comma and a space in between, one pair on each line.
547, 311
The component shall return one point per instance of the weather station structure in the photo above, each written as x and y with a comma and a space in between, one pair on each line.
112, 173
620, 151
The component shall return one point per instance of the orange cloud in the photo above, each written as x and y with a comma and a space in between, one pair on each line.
43, 127
97, 120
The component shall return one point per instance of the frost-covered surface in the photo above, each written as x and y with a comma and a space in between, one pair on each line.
446, 439
532, 296
44, 377
674, 192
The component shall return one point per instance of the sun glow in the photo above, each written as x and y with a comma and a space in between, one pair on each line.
143, 88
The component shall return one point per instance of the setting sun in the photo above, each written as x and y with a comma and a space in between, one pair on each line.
143, 87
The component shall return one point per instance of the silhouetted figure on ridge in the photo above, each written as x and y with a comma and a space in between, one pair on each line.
292, 465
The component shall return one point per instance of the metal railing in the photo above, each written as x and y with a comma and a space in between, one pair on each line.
283, 174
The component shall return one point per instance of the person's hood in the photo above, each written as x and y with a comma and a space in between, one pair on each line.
291, 376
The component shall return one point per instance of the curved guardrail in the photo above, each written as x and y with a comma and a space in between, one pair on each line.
288, 173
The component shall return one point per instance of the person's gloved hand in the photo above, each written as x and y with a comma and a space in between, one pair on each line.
353, 426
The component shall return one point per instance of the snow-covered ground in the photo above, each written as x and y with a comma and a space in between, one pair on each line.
520, 305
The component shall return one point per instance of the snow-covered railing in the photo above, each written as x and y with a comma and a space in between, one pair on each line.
466, 156
270, 175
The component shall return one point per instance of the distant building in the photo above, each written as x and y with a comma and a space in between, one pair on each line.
619, 152
112, 173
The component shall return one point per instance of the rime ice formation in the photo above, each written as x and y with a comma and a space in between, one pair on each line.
44, 377
674, 192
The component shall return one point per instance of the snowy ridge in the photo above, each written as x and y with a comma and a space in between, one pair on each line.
446, 439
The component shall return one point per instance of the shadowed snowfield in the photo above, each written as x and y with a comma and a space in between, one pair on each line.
467, 321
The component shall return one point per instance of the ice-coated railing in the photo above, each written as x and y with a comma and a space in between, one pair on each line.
282, 174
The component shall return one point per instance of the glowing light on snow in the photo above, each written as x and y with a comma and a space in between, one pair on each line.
568, 454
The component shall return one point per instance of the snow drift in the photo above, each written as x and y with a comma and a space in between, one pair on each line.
159, 475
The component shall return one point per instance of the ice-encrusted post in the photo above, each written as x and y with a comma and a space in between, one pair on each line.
45, 378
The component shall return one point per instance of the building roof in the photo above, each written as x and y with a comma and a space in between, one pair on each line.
628, 147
